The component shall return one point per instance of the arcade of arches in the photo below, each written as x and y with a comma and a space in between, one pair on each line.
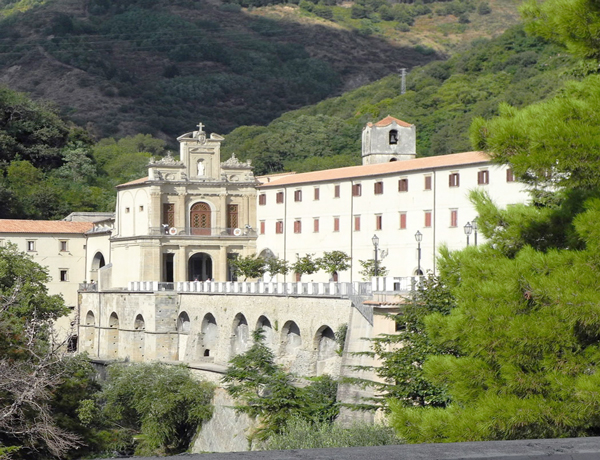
198, 329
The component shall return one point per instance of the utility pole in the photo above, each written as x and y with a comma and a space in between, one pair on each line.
403, 75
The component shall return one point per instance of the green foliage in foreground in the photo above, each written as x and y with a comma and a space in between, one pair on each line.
304, 434
149, 408
40, 385
402, 355
554, 143
527, 333
265, 391
526, 326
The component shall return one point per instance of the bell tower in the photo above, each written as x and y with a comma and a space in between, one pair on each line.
388, 140
201, 155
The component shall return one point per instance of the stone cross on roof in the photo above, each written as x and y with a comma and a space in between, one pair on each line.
200, 126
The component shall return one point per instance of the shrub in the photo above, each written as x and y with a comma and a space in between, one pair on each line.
303, 434
484, 8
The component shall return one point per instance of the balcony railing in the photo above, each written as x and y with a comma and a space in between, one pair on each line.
214, 232
88, 287
382, 284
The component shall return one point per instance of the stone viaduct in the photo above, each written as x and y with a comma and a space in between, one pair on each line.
205, 324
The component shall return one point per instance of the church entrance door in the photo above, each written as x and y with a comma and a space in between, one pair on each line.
200, 219
200, 267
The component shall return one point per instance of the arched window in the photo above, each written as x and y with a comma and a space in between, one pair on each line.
200, 219
393, 136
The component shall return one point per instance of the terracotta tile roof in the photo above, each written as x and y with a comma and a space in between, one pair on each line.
43, 226
427, 163
388, 121
133, 182
271, 177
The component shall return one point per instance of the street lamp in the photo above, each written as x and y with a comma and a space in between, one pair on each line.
475, 230
419, 238
375, 241
468, 231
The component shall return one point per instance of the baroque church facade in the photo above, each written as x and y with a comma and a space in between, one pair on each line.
187, 218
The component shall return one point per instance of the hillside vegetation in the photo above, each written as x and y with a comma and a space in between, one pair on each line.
158, 67
50, 167
441, 100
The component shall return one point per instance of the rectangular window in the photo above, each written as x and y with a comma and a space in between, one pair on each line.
64, 275
427, 218
262, 199
357, 223
298, 195
378, 188
378, 222
126, 210
31, 245
356, 190
454, 218
141, 209
279, 197
336, 224
336, 191
483, 177
279, 226
262, 227
232, 216
402, 220
403, 185
297, 226
453, 180
64, 247
427, 182
316, 225
510, 177
169, 214
317, 195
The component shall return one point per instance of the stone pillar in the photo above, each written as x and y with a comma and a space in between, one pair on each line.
180, 265
221, 265
223, 211
181, 210
155, 212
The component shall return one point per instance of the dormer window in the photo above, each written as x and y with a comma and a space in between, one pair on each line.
393, 137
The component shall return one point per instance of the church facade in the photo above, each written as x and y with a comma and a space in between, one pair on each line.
187, 218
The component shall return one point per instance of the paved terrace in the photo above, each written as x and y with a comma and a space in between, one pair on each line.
534, 449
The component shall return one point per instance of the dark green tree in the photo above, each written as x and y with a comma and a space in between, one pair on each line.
526, 318
402, 355
368, 269
267, 392
334, 262
248, 266
276, 266
149, 408
32, 361
305, 265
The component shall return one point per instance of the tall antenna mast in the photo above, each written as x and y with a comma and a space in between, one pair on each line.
403, 75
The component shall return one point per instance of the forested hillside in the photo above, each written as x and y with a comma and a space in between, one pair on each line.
442, 99
50, 167
158, 67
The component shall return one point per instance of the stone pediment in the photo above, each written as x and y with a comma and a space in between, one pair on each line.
234, 163
166, 161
